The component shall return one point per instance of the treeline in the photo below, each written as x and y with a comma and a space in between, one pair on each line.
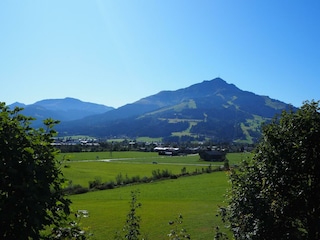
174, 141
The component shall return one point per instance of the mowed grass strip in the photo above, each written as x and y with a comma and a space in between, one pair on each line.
77, 156
196, 198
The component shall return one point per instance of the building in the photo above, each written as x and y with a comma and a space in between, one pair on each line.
212, 155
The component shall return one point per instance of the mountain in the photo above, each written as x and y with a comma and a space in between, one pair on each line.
66, 109
17, 104
211, 109
71, 108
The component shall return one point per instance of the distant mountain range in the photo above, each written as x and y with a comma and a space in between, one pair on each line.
212, 110
66, 109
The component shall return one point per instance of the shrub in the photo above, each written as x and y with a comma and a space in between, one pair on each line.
95, 183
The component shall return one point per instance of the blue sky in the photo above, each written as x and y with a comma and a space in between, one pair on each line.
117, 52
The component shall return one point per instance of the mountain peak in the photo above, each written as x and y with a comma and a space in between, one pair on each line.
212, 87
70, 103
216, 80
65, 109
17, 104
58, 101
210, 109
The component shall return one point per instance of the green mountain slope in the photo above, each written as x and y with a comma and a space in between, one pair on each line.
212, 109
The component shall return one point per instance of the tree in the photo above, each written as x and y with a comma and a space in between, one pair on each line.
276, 195
31, 181
178, 231
131, 228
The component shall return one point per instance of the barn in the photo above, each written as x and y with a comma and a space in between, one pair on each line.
212, 155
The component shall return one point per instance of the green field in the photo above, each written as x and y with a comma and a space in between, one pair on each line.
195, 197
77, 156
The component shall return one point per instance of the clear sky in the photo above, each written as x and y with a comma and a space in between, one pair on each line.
117, 52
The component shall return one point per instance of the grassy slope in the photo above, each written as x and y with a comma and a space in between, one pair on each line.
126, 163
83, 172
196, 197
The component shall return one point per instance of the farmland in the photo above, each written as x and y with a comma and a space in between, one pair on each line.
195, 197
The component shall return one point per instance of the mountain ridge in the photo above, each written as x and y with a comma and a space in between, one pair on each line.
63, 109
211, 109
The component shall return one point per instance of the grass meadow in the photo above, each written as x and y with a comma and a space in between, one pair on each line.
195, 197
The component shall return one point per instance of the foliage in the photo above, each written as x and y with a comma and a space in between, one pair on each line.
95, 183
226, 165
220, 235
178, 232
71, 229
131, 228
31, 196
75, 189
276, 195
157, 174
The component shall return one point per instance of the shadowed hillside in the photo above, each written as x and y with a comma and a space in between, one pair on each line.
212, 109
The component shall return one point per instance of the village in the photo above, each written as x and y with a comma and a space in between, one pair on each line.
207, 151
